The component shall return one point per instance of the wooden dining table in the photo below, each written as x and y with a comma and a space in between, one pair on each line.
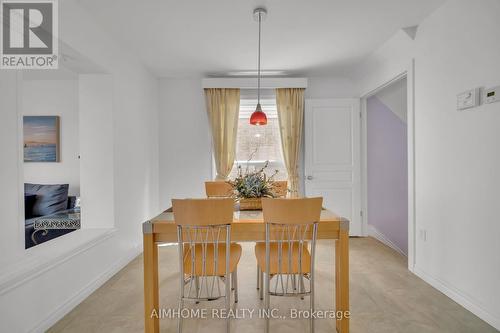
247, 226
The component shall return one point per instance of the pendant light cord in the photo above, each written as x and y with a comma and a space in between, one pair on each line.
258, 73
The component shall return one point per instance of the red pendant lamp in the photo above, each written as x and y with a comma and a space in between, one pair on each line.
258, 117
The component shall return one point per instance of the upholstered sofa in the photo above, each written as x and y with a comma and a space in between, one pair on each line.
41, 201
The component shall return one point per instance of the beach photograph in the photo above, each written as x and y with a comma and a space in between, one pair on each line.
41, 138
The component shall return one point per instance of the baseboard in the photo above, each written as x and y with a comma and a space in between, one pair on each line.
459, 297
77, 298
375, 233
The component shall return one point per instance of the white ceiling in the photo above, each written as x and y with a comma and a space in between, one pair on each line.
203, 37
71, 63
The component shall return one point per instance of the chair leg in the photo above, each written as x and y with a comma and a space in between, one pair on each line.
235, 284
197, 286
228, 302
302, 288
311, 299
181, 305
261, 278
267, 301
258, 277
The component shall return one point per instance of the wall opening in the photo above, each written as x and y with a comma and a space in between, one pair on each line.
387, 165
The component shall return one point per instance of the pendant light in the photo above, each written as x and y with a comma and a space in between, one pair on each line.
258, 116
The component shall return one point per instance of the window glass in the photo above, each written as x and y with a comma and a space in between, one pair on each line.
258, 144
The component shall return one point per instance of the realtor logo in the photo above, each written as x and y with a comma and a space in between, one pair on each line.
29, 34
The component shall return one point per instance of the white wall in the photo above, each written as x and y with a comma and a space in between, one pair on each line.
55, 98
48, 280
95, 92
10, 194
331, 87
185, 141
456, 174
456, 159
392, 58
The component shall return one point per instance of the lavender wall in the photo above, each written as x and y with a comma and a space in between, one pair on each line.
387, 173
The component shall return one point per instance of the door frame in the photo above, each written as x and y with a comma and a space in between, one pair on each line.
409, 73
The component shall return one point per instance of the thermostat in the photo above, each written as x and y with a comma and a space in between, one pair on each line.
468, 99
491, 95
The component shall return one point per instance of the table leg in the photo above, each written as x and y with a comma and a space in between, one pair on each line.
342, 280
151, 293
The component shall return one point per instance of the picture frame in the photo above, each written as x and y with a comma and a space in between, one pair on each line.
41, 139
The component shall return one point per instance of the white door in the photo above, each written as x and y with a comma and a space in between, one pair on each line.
332, 156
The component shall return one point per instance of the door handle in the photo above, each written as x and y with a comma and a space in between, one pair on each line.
309, 177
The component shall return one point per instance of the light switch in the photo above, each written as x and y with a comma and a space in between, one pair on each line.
468, 99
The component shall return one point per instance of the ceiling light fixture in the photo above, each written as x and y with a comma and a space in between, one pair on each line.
251, 73
258, 116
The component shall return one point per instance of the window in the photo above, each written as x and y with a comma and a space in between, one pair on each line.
260, 143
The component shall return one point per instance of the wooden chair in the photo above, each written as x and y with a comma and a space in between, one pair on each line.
207, 258
218, 189
280, 188
286, 259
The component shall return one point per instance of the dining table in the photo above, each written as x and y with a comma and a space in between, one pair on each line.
247, 226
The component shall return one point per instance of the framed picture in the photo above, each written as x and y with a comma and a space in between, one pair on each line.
41, 138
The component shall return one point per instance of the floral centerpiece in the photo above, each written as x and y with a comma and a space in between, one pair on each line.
251, 186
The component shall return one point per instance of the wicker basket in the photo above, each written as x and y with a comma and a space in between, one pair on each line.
250, 204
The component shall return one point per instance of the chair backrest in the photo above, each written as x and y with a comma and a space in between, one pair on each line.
203, 230
280, 188
203, 212
218, 189
291, 228
292, 211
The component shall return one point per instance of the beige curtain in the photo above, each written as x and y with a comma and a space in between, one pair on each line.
290, 103
223, 106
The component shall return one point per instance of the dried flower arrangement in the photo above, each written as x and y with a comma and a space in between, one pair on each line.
250, 186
